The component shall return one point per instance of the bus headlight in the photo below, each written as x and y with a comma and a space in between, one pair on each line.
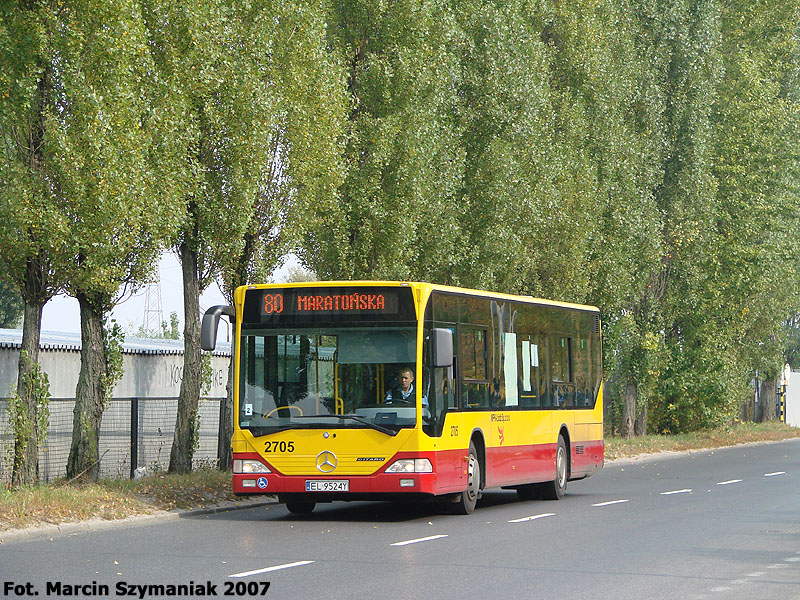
411, 465
249, 466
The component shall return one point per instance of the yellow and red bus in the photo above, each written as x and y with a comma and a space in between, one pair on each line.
506, 392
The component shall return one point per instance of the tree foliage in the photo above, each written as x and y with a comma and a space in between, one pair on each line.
11, 306
260, 112
636, 155
113, 187
394, 215
298, 176
32, 225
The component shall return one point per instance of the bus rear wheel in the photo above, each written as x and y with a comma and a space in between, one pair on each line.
300, 507
555, 490
465, 501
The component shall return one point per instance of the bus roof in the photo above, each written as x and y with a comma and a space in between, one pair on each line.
430, 286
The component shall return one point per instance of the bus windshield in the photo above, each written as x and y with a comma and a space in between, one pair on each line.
311, 377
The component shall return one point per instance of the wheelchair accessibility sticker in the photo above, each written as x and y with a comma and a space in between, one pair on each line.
262, 483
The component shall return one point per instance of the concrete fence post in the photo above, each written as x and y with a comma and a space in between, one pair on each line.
134, 435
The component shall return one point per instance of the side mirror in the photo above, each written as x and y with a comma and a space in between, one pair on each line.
208, 331
442, 347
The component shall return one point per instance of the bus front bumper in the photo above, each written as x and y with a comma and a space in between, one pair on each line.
339, 484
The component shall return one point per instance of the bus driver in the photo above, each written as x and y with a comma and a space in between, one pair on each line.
404, 392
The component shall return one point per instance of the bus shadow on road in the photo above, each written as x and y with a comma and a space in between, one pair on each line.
381, 511
497, 498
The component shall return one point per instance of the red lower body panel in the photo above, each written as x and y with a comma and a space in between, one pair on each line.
505, 466
587, 457
511, 465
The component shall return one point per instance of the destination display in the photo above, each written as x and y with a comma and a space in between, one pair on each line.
293, 302
324, 304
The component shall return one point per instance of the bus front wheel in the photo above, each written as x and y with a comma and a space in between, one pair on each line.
466, 500
554, 490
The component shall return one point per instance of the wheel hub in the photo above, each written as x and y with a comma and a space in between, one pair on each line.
473, 477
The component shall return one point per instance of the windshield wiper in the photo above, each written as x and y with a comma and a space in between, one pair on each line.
262, 429
376, 427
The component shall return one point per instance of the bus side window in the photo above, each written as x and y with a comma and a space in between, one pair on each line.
473, 355
583, 397
561, 372
529, 371
542, 370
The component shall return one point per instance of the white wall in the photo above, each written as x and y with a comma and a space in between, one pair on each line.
145, 375
793, 400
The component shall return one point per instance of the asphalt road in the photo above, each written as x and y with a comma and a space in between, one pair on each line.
719, 524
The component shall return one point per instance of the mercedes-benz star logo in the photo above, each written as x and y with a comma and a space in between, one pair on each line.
327, 461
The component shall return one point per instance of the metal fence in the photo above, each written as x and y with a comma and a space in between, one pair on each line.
134, 432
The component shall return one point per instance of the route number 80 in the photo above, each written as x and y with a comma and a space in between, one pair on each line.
273, 303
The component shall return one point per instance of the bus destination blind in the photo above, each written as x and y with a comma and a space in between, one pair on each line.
311, 301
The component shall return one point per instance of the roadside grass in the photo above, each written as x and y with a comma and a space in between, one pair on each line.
168, 492
63, 502
54, 503
738, 433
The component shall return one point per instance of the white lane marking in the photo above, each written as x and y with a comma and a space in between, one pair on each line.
720, 589
756, 574
730, 481
775, 473
425, 539
275, 568
532, 518
778, 566
610, 503
686, 491
792, 559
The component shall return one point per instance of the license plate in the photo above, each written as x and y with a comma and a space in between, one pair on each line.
327, 485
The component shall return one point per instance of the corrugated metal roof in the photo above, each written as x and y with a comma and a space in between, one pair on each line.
58, 340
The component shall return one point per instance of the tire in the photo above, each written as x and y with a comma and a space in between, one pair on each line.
555, 490
300, 507
465, 501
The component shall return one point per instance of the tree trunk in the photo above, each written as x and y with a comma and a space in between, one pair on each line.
180, 458
25, 470
640, 424
226, 421
629, 410
84, 453
767, 401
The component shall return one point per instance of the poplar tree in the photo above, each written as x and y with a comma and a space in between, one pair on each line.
610, 107
301, 169
509, 199
691, 391
395, 212
756, 121
218, 58
108, 161
80, 212
33, 227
